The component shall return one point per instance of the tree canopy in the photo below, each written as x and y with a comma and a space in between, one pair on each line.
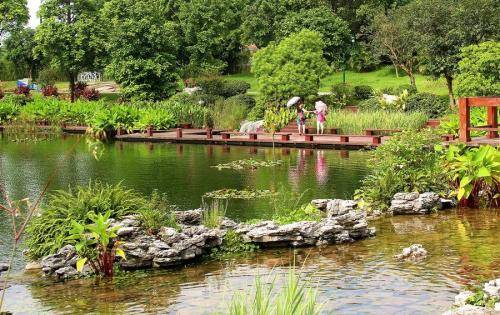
13, 15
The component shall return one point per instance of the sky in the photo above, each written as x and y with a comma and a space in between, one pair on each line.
33, 7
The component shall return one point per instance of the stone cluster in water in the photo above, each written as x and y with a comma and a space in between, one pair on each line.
169, 247
415, 252
416, 203
490, 289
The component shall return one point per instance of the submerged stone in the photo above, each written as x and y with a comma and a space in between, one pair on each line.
415, 203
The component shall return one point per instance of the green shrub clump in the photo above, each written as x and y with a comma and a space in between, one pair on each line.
363, 92
405, 163
433, 105
344, 93
48, 232
233, 245
215, 85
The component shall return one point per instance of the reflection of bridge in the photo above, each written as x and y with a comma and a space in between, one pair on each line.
90, 77
491, 127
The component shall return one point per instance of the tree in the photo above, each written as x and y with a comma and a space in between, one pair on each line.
444, 26
143, 48
13, 14
395, 36
479, 70
70, 36
19, 50
335, 31
211, 31
293, 67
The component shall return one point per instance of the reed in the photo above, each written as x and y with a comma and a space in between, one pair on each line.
213, 212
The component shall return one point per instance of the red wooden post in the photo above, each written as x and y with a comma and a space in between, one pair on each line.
376, 140
179, 133
285, 137
369, 132
226, 136
309, 138
252, 136
344, 139
492, 120
209, 133
149, 131
464, 113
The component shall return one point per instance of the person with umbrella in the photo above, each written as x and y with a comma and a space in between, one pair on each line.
301, 113
320, 112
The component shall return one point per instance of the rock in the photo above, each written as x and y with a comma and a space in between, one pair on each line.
448, 203
415, 252
320, 204
66, 272
492, 288
462, 297
4, 267
190, 217
126, 231
497, 307
415, 203
468, 310
33, 265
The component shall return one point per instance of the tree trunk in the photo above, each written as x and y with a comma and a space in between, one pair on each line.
449, 84
72, 87
396, 68
412, 78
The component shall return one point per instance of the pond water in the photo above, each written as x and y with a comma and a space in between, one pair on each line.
359, 278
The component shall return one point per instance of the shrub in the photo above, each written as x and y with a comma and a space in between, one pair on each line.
450, 123
344, 93
48, 232
50, 91
212, 85
428, 103
91, 94
102, 124
80, 88
408, 87
258, 111
157, 118
405, 163
158, 214
22, 90
248, 100
363, 92
8, 111
49, 76
234, 87
372, 103
331, 100
233, 245
357, 123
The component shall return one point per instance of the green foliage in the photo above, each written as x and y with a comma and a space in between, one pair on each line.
479, 70
213, 212
344, 93
430, 104
480, 298
102, 124
233, 245
48, 232
292, 67
143, 49
95, 244
277, 119
474, 173
158, 214
215, 85
228, 114
13, 15
289, 206
238, 194
49, 76
363, 92
8, 111
296, 297
449, 124
248, 164
158, 118
19, 50
259, 110
357, 123
247, 100
405, 163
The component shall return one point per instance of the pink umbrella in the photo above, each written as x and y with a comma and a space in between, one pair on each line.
320, 106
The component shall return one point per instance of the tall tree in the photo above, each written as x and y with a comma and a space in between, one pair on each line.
444, 26
143, 48
71, 36
395, 36
13, 14
19, 50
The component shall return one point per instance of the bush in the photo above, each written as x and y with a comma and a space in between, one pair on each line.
344, 93
48, 232
8, 111
363, 92
234, 87
91, 94
399, 89
248, 100
229, 114
22, 90
370, 104
405, 163
329, 99
212, 85
158, 214
233, 245
49, 76
80, 88
50, 91
435, 106
258, 111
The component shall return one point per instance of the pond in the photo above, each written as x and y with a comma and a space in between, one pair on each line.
351, 279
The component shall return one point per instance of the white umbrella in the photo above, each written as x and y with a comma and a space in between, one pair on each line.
320, 106
294, 100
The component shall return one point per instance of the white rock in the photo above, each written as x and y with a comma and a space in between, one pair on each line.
492, 288
468, 310
462, 297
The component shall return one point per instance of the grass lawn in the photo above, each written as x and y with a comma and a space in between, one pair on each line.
382, 78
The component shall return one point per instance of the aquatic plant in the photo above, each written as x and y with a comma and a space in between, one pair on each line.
474, 173
357, 123
213, 212
228, 114
95, 244
48, 231
295, 297
233, 245
289, 207
158, 214
247, 164
239, 194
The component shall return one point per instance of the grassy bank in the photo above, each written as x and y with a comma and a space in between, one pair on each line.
379, 79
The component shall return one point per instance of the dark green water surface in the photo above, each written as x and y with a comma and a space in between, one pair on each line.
359, 278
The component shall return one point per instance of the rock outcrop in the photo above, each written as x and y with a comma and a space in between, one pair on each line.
415, 252
62, 264
415, 203
491, 291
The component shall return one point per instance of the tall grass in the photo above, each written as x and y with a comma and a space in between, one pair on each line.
357, 123
295, 297
213, 212
228, 114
